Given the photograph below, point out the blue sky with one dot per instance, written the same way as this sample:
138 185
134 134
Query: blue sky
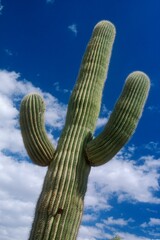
41 47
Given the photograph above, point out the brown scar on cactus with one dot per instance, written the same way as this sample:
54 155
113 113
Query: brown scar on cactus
69 165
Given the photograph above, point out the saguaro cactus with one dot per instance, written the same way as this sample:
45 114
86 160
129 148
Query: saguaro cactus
60 206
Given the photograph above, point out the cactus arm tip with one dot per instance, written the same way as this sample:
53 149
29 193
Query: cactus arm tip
105 24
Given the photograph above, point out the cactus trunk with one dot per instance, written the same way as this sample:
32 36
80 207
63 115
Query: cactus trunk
60 206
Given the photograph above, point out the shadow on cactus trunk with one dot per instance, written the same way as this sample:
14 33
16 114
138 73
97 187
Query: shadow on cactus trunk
60 205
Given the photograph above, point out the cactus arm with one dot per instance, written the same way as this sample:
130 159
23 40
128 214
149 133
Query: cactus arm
35 139
122 121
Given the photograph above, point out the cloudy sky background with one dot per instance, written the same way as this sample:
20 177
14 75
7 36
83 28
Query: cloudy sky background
41 48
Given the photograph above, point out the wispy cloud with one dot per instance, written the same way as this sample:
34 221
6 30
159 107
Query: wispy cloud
153 146
117 221
50 1
152 227
73 28
154 109
152 222
129 236
8 52
57 87
1 7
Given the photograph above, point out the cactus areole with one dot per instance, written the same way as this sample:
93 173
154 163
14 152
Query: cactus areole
60 205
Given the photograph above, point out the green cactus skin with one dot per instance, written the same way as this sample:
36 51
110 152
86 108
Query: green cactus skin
60 205
122 121
35 139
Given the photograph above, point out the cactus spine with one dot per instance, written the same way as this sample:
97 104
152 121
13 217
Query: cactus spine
60 205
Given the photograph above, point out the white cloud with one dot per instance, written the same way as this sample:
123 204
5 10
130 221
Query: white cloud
73 28
101 122
20 181
151 163
20 184
124 178
89 218
92 233
11 92
117 221
153 222
128 236
55 112
100 232
12 86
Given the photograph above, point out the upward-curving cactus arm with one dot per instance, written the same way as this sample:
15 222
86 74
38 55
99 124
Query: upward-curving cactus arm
35 139
122 122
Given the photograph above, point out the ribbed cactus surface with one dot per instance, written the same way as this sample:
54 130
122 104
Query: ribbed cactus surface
60 205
